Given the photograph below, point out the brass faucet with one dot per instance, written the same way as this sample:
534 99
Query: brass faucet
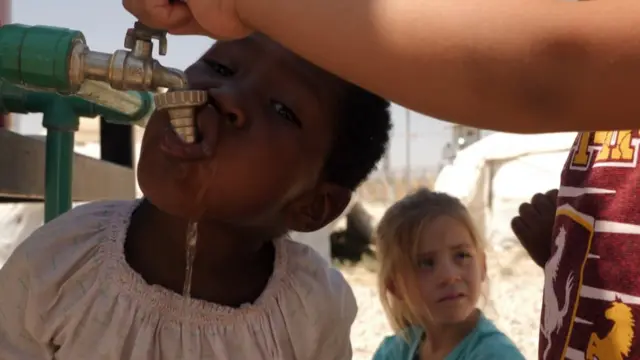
136 69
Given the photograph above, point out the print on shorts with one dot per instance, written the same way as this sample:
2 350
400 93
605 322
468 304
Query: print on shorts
562 284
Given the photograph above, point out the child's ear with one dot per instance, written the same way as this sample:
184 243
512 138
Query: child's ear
316 208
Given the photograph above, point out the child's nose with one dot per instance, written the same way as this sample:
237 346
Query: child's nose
231 105
448 273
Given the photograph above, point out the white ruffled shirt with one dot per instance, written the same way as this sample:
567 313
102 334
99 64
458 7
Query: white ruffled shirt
67 293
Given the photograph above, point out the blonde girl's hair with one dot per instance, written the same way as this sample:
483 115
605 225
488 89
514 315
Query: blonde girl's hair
397 239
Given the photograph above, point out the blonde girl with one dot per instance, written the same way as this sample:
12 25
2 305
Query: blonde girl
432 268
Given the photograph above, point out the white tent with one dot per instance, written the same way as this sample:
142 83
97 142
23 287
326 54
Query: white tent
495 175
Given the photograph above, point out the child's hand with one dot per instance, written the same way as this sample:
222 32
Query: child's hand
534 225
215 18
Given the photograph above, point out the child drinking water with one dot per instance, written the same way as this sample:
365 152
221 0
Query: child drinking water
282 144
432 267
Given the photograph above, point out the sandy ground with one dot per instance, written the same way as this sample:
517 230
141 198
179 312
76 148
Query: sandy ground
514 302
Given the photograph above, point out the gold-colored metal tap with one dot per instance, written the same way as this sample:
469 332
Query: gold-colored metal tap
136 69
130 69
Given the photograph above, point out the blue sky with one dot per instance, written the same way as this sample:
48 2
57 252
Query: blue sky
104 23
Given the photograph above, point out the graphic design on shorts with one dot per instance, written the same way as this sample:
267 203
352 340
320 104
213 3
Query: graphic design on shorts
617 343
554 313
562 285
589 312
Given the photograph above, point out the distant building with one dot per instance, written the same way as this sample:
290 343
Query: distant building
464 136
448 154
461 137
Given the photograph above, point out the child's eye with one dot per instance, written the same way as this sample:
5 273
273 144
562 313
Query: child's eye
425 263
220 69
462 255
286 113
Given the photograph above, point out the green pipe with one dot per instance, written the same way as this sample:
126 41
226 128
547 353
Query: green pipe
61 121
58 169
38 56
61 118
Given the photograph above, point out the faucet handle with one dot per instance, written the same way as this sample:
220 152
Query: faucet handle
142 32
129 40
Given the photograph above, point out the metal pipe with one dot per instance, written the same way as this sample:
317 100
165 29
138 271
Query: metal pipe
127 103
102 94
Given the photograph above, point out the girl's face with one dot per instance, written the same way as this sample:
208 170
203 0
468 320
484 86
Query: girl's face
268 125
450 271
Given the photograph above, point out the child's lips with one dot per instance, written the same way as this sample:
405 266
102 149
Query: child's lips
450 297
207 131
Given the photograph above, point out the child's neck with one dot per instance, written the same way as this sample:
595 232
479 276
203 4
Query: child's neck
232 265
440 340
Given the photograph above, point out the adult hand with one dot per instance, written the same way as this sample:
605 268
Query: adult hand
215 18
534 225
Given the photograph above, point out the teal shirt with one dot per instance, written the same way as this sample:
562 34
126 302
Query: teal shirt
485 342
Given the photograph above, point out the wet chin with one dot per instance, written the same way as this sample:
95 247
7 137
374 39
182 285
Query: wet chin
173 208
185 202
170 199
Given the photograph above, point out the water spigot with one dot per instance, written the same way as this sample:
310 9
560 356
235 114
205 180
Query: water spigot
131 69
137 70
59 60
180 102
56 59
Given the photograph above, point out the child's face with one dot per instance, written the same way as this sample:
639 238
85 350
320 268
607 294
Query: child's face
268 124
451 271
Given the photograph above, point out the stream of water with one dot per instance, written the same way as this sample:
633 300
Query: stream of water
191 243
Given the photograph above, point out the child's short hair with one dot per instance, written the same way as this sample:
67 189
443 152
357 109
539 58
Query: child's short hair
397 239
361 137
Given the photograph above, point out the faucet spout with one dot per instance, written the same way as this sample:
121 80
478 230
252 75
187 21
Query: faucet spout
167 77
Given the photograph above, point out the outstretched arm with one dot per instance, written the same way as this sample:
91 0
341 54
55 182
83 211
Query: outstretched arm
536 66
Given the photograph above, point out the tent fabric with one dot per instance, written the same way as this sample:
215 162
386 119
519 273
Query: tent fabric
493 176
